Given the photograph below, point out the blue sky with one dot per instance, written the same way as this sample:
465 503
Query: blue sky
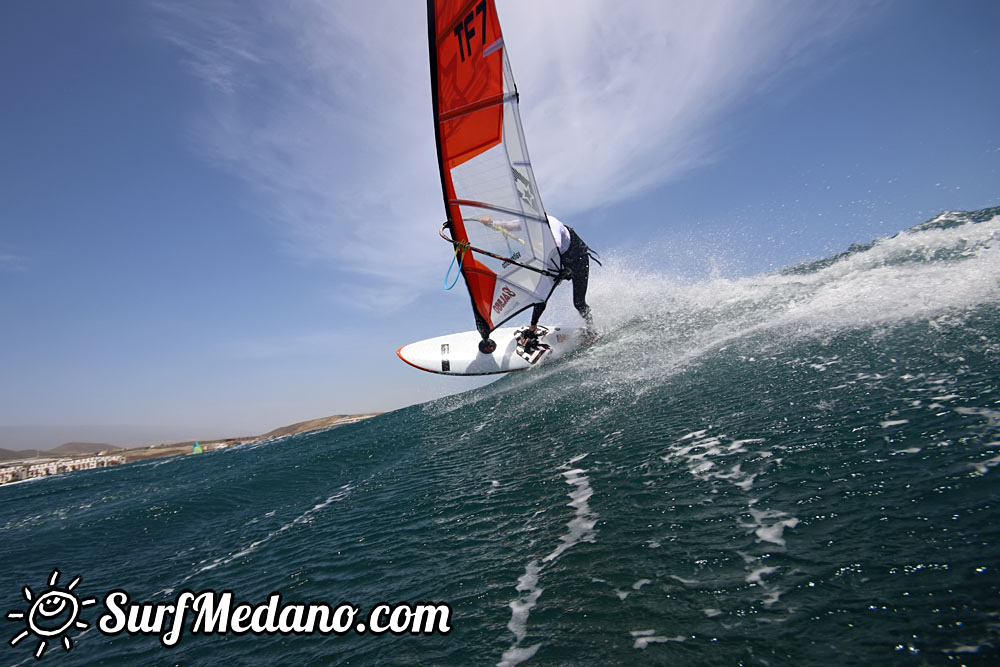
219 218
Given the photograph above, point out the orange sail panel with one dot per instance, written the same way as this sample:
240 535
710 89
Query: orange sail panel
489 187
470 86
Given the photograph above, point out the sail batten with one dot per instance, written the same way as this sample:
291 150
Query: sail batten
492 201
496 100
497 209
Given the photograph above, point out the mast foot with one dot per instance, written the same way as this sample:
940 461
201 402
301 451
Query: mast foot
487 346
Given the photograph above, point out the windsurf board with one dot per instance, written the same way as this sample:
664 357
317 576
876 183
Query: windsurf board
458 353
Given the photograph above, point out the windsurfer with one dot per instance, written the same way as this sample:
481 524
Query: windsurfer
575 256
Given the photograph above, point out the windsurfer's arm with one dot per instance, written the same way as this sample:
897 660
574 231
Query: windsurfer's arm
505 225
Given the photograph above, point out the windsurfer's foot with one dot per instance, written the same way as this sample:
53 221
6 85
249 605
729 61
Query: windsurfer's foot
528 340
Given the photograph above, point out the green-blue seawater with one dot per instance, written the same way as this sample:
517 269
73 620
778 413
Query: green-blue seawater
794 469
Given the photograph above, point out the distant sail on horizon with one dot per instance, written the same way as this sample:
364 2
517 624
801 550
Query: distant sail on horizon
506 251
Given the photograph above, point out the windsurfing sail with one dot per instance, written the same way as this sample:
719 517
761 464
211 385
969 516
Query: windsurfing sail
196 448
496 221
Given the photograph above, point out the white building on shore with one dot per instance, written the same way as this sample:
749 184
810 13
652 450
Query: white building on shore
15 471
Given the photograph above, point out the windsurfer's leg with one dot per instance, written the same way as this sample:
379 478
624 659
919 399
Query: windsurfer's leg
578 262
536 314
529 338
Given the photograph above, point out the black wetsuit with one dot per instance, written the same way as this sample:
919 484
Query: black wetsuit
577 260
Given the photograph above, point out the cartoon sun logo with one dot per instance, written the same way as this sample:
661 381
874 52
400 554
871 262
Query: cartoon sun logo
51 614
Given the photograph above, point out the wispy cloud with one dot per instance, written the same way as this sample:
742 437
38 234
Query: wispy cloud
323 108
621 97
10 261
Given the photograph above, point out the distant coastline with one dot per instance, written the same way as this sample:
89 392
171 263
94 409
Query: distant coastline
72 457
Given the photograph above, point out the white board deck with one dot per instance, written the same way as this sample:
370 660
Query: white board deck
458 353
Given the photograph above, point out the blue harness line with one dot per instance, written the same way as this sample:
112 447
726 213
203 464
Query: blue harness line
459 258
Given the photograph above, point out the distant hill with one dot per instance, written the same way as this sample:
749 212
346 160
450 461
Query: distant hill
81 448
11 454
68 449
315 424
157 451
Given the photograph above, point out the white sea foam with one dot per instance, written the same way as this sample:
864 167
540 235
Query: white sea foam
581 526
579 529
992 416
703 456
756 573
755 576
772 597
305 517
771 531
644 638
527 585
769 527
983 467
968 648
515 655
699 448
